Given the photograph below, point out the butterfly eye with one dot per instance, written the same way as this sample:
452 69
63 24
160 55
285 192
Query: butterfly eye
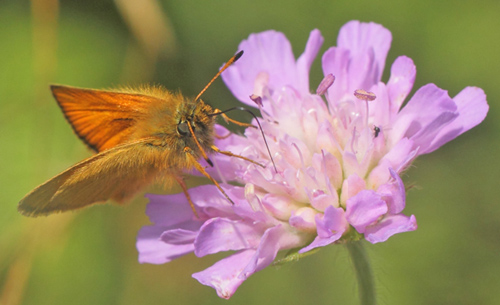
183 129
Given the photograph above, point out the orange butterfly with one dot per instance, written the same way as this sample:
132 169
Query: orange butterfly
140 136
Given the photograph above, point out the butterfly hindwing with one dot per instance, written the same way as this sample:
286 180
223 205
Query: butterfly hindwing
117 173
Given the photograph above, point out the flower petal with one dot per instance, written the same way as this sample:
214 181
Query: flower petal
398 158
153 250
178 236
168 210
268 62
428 111
352 186
330 166
335 61
364 209
365 40
228 274
389 226
322 201
403 72
271 242
472 109
223 276
281 207
330 228
226 167
393 193
303 219
305 60
221 234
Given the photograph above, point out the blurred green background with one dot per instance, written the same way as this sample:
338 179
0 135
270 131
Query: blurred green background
89 257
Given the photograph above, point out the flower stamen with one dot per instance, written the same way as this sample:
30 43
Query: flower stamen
257 100
353 138
366 97
300 155
325 84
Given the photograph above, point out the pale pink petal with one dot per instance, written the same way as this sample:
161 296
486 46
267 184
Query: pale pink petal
323 201
330 166
228 166
325 139
303 219
472 109
305 60
330 228
351 164
271 242
321 242
403 72
153 250
228 274
428 111
364 209
389 226
397 157
220 234
281 207
251 206
179 236
332 222
168 210
393 193
380 106
268 58
211 202
223 276
351 186
368 44
335 61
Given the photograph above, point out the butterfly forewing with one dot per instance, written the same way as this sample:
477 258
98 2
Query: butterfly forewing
102 119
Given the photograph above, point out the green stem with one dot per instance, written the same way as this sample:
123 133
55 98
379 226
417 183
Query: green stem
363 272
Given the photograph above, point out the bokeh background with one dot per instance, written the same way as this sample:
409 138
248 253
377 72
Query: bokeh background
89 257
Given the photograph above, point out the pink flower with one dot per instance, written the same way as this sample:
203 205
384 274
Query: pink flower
338 162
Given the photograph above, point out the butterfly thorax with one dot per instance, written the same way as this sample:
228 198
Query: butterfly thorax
167 122
195 118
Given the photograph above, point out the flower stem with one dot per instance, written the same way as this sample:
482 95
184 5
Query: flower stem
363 272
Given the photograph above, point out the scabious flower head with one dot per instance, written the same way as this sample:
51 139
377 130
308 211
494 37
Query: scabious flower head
339 154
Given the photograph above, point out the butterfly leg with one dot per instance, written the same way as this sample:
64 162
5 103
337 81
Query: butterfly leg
181 182
202 170
223 137
228 153
228 119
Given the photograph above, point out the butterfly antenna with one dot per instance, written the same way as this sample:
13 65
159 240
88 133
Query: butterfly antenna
231 61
